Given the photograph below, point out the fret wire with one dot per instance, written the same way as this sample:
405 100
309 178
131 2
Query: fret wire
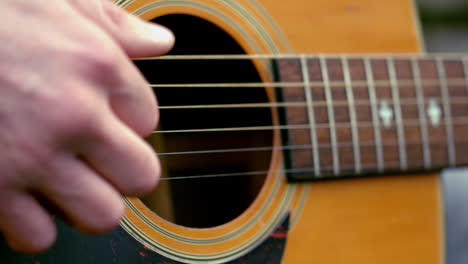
453 100
310 110
447 112
352 115
398 115
409 122
465 72
422 114
375 118
331 115
314 84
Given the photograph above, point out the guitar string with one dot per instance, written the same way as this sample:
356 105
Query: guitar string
453 99
314 84
391 165
301 147
409 122
451 81
295 85
377 56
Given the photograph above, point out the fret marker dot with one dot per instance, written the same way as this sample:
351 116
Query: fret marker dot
386 114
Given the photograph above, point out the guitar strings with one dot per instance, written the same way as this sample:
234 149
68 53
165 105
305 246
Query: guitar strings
370 124
395 56
304 147
371 167
453 100
316 84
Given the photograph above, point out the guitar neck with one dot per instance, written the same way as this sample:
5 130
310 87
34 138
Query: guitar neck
373 115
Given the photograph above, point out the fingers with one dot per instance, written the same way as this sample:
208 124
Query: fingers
134 102
124 159
86 194
85 199
125 35
114 160
93 58
130 95
137 37
26 225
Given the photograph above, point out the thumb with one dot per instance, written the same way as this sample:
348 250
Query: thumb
138 38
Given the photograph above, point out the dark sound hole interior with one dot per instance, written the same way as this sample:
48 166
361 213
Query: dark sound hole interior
211 201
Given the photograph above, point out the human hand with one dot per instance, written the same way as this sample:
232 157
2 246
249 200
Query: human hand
73 111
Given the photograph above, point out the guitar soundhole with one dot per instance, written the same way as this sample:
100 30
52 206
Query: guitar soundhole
193 192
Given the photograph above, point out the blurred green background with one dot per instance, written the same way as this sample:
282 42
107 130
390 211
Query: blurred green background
445 25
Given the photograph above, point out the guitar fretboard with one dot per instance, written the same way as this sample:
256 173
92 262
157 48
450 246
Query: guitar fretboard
373 115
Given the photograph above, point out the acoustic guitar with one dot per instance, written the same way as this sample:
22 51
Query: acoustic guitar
301 131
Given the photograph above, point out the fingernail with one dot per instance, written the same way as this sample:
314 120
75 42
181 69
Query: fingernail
161 34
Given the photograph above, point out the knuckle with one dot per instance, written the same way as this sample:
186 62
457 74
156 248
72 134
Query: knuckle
137 109
74 118
117 16
33 165
100 60
25 165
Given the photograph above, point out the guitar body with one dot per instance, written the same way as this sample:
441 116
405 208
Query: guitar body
389 219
